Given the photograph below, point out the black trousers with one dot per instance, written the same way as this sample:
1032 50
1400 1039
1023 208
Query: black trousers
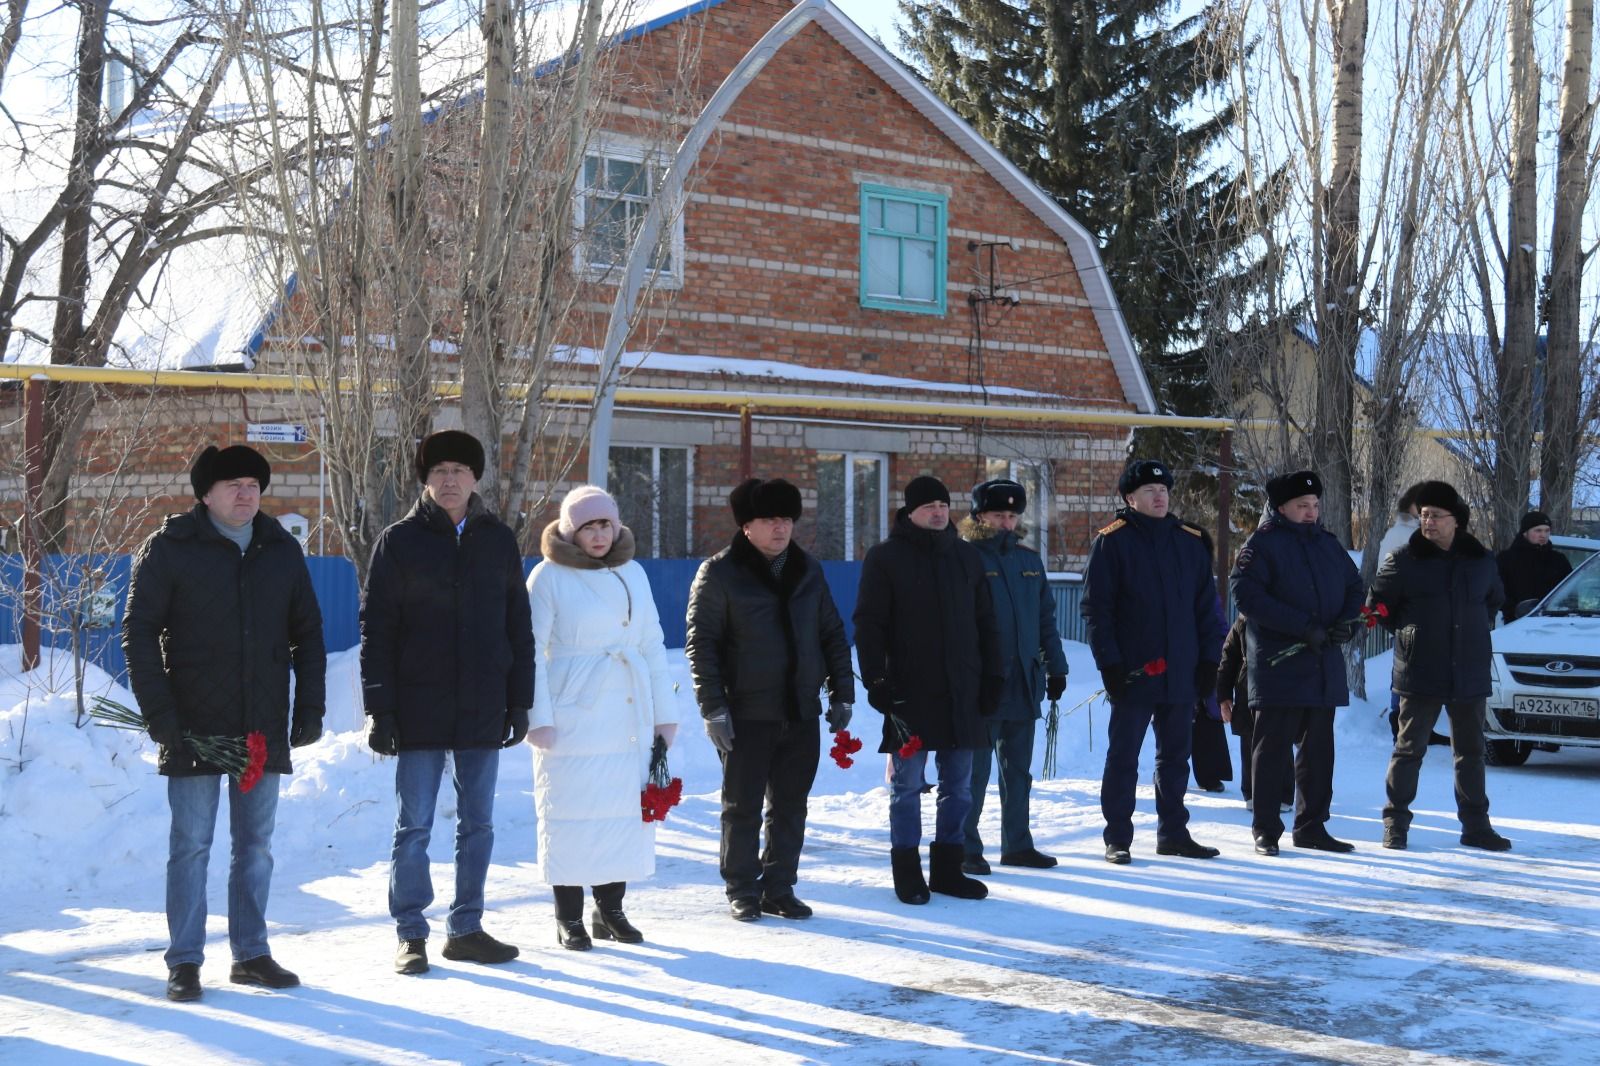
569 898
766 779
1278 730
1174 728
1417 717
1209 750
1245 722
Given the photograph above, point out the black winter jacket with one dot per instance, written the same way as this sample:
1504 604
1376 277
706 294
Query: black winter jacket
1233 680
1289 576
446 629
211 635
761 647
1441 608
1148 593
925 625
1529 572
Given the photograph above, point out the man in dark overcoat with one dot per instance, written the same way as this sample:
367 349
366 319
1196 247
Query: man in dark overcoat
1441 592
447 669
220 611
1301 595
1036 667
1150 602
1532 566
929 652
763 638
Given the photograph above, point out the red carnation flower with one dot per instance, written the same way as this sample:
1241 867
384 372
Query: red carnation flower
844 746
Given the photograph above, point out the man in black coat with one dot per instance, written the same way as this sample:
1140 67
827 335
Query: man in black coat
1036 667
447 668
220 610
763 638
1301 594
1150 601
1441 592
1532 566
929 653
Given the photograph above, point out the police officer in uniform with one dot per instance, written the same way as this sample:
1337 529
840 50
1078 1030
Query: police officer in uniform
1150 601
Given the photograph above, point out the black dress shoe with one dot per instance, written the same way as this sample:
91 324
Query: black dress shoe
975 864
1487 839
183 982
1187 848
1117 855
745 909
572 936
478 947
412 957
785 906
1266 847
1031 858
1323 842
261 970
612 924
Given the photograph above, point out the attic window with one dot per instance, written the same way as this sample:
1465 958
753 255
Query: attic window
618 184
903 250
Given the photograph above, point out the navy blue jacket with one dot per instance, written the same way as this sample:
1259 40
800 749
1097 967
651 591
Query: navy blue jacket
1289 577
1148 593
1024 616
447 629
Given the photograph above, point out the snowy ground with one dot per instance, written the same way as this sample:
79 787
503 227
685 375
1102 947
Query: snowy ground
1436 955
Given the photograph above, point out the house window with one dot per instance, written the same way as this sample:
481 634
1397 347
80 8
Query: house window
1033 479
903 250
618 184
851 516
652 486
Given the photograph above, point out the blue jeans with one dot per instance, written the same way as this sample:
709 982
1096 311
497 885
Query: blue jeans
905 798
416 787
251 818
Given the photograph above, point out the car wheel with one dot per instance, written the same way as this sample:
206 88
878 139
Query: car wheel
1507 752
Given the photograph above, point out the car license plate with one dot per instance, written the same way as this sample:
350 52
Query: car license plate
1556 705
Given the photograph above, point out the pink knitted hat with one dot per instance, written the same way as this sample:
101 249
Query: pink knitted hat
583 505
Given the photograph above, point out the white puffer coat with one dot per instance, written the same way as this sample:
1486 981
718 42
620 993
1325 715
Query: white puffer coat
602 682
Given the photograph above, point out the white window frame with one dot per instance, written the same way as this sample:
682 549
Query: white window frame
849 459
627 151
655 498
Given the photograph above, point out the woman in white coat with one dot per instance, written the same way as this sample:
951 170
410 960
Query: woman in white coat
601 696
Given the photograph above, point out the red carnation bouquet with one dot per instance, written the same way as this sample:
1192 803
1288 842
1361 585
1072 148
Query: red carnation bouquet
844 746
244 759
662 792
909 742
1378 612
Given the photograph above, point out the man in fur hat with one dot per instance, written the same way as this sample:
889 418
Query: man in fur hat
218 595
1441 592
447 668
763 638
1036 668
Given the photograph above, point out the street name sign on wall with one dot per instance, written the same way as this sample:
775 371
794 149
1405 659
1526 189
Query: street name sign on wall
275 433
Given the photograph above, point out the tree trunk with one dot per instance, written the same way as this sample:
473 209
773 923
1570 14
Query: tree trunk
1562 447
413 331
1339 302
1513 444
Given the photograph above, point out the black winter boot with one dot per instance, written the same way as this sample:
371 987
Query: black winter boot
908 883
945 876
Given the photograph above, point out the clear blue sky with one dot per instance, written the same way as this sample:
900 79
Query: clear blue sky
877 17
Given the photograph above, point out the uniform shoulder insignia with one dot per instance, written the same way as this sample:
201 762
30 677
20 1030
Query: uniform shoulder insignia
1112 528
1187 528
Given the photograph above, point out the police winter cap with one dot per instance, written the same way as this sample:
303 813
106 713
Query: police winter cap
1144 472
1534 519
1286 487
923 490
755 498
224 464
1001 494
1442 496
449 446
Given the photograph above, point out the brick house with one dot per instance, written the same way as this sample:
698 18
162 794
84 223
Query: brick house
834 233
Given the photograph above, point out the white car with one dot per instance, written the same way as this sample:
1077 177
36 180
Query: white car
1547 673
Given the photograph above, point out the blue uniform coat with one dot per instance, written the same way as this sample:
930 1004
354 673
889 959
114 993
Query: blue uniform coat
1024 617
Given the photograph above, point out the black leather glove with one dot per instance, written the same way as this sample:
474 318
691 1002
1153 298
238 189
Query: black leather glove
1205 680
1315 637
307 730
719 727
1114 679
1054 686
991 690
883 696
516 727
383 734
1343 632
839 715
166 732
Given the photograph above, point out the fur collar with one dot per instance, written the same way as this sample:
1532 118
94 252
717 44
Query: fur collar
794 565
565 553
1465 545
973 530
